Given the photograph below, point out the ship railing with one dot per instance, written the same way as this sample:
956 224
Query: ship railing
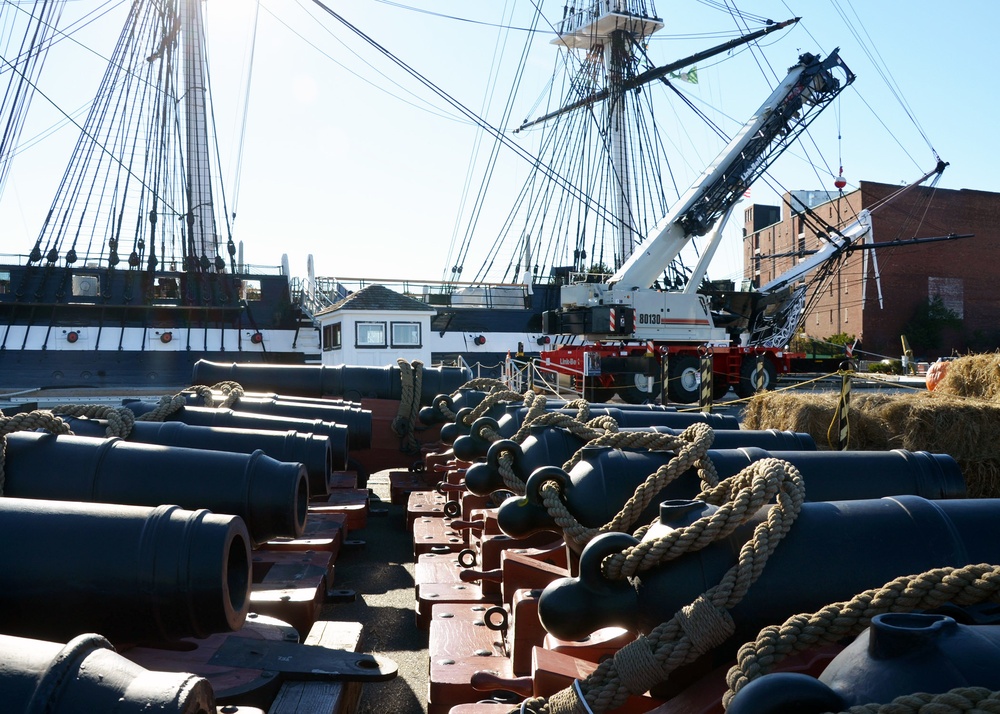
494 296
522 375
313 296
583 14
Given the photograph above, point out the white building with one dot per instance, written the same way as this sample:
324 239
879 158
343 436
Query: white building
375 326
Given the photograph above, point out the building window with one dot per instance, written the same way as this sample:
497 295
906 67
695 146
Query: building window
370 334
406 334
331 337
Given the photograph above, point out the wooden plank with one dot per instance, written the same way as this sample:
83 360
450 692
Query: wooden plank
323 697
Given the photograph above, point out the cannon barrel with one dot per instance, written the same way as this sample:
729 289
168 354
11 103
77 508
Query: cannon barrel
320 454
601 483
348 381
473 446
471 398
271 496
901 653
86 675
358 421
203 416
549 445
833 551
132 573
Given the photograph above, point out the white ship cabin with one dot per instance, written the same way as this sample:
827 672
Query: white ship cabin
375 326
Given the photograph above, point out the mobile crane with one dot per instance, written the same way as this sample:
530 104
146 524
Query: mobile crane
632 325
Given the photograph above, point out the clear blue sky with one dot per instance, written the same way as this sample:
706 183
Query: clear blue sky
348 159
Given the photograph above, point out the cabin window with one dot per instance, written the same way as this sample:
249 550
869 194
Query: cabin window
370 334
406 334
167 288
250 290
86 286
331 337
4 282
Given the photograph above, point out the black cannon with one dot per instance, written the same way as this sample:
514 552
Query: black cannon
132 573
86 675
321 454
833 551
357 420
599 485
548 445
204 416
348 381
272 497
900 654
474 445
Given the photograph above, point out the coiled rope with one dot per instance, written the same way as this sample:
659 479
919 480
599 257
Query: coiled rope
121 419
28 421
705 623
537 415
404 425
967 585
484 384
691 450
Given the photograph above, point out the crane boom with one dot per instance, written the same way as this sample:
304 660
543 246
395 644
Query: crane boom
809 87
626 306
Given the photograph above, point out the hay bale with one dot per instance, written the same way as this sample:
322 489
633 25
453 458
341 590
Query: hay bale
966 429
815 413
975 376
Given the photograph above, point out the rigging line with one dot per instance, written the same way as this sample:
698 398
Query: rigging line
886 74
494 153
17 97
73 121
218 156
724 7
467 20
733 13
246 111
427 106
521 152
76 26
70 186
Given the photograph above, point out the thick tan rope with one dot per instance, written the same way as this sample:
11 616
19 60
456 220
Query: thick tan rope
596 427
442 406
691 450
405 424
233 390
964 586
167 406
705 623
120 419
28 421
497 396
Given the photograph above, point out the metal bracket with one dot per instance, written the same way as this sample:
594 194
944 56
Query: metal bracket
303 662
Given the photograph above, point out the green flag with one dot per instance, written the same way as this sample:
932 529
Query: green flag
690 76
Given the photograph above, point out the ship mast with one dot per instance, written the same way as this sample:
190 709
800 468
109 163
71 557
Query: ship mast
610 29
200 217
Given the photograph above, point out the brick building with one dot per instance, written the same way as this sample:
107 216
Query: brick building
963 274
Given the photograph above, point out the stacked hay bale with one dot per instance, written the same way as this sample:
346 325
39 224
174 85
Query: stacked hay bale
960 418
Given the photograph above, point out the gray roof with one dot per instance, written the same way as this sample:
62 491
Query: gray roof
379 297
